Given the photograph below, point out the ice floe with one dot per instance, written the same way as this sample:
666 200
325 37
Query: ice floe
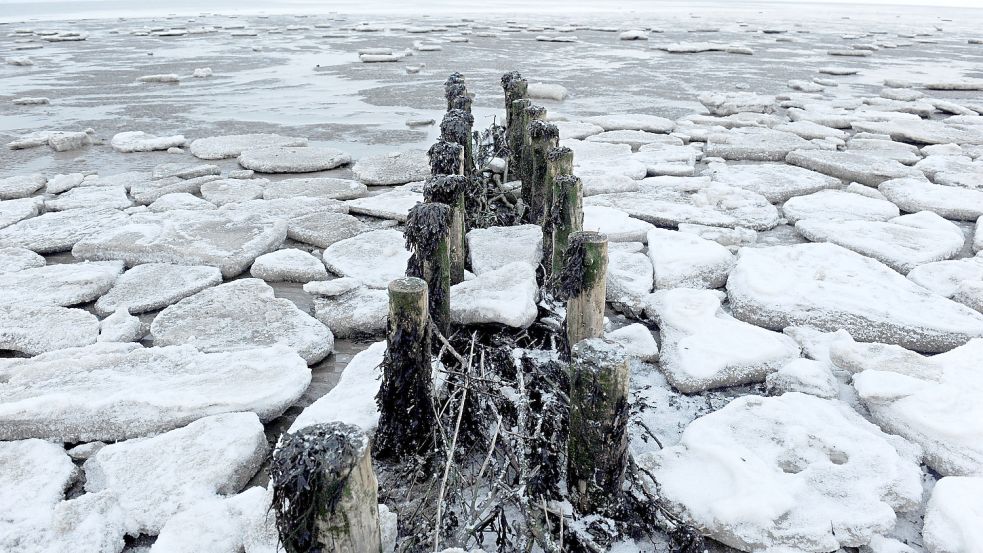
495 247
241 314
222 239
152 286
829 287
289 159
506 295
374 257
113 392
753 481
156 478
703 347
683 260
288 265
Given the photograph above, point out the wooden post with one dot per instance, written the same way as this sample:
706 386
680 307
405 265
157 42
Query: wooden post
325 493
529 114
598 443
515 88
446 158
462 103
583 284
454 86
427 234
456 127
451 190
543 137
559 162
567 217
405 399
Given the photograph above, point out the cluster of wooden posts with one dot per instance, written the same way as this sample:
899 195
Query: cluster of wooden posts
420 303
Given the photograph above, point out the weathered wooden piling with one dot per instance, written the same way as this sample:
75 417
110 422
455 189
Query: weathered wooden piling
543 137
598 442
567 217
462 103
451 190
519 157
515 88
405 399
559 162
456 127
325 494
427 232
446 158
583 284
454 87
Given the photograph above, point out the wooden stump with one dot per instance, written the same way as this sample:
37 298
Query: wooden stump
406 418
451 190
515 89
543 137
427 232
567 217
325 493
598 443
559 163
583 284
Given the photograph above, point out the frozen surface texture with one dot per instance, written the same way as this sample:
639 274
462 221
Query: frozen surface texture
119 391
224 239
829 287
242 314
704 348
754 479
156 478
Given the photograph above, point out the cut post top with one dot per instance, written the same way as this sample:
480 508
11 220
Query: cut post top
407 285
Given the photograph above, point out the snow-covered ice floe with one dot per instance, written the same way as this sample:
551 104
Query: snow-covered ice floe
752 479
118 391
936 402
241 314
223 239
829 287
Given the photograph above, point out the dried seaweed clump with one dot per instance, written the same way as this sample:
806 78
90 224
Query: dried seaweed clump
454 78
509 79
535 113
558 153
456 126
309 470
445 189
454 90
543 130
426 225
577 274
445 157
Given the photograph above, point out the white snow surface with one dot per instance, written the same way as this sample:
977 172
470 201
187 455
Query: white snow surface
495 247
224 238
936 402
352 400
901 243
112 391
683 260
506 295
241 314
374 257
794 472
829 287
703 347
953 515
156 478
